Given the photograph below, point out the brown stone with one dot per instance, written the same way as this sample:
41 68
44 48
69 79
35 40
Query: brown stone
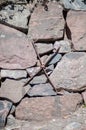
76 22
47 25
47 108
16 51
37 109
13 90
70 72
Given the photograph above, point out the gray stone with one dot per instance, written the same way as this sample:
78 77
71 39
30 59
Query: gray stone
10 120
16 51
42 90
70 72
13 1
73 126
15 15
39 79
14 74
43 48
12 109
5 108
13 90
74 4
50 68
43 60
47 25
32 71
65 46
56 59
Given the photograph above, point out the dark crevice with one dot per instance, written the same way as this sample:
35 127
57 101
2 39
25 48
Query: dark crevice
17 28
68 33
50 40
65 14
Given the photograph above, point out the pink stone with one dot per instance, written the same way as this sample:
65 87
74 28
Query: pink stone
16 51
47 25
76 21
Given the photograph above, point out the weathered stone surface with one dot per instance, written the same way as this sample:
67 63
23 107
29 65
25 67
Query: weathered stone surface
47 25
16 51
73 126
14 74
44 47
84 96
45 108
43 60
13 90
5 107
74 4
10 120
55 59
41 90
15 16
70 72
37 109
39 79
76 22
65 46
78 117
14 1
69 103
32 70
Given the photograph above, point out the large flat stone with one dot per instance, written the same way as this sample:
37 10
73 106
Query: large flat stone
47 25
14 74
42 90
76 22
13 90
39 79
16 51
37 109
70 72
47 108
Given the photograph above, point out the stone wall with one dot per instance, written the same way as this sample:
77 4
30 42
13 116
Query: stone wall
43 65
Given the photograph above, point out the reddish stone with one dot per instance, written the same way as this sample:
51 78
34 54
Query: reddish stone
16 51
47 108
47 25
84 128
69 103
76 22
37 109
